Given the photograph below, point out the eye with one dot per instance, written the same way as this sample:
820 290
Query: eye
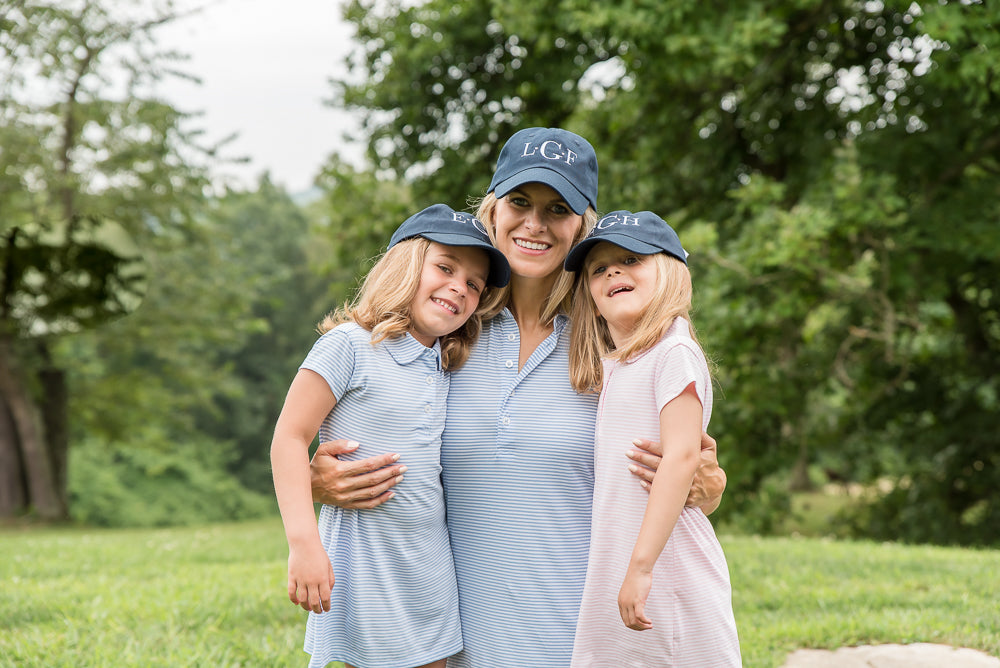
632 259
560 209
445 268
598 269
474 286
517 200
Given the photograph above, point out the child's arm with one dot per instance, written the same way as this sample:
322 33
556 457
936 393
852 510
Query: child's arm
680 435
709 481
310 575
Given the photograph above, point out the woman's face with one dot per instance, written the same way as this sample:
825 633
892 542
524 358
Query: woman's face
535 229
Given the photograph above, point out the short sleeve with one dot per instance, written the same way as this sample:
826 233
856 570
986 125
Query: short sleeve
333 358
679 366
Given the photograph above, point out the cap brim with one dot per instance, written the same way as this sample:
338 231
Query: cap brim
499 274
576 200
577 256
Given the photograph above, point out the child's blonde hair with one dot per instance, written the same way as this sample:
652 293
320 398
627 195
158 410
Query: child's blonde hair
558 300
382 305
590 339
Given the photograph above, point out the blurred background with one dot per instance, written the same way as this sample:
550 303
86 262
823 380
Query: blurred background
186 189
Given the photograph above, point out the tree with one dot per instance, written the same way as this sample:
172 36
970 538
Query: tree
269 246
91 167
833 166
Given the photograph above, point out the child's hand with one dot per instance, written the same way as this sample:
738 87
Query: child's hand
310 578
632 600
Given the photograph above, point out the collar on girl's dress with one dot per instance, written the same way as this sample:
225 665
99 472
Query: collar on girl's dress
406 349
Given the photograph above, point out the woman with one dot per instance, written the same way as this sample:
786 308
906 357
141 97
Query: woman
517 451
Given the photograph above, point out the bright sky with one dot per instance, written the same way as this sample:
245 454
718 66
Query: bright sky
264 67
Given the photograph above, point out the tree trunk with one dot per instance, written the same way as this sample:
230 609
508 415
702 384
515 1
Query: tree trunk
799 480
54 414
28 440
13 492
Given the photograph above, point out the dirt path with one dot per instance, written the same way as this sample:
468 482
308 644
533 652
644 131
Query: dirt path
919 655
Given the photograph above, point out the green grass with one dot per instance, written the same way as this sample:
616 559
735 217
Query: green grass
214 596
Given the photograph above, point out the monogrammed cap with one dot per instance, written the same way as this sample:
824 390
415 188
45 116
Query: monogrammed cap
564 161
644 233
441 223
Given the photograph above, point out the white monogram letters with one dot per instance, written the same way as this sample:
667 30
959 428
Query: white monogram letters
550 150
466 219
616 219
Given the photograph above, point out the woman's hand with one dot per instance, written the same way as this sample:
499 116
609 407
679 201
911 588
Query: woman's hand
709 480
364 483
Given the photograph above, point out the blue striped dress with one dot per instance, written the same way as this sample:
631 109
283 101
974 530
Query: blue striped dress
395 601
518 460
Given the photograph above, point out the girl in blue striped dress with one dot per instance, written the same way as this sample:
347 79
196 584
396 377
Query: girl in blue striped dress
380 584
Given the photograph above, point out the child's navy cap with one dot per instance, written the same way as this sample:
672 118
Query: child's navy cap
441 223
644 233
564 161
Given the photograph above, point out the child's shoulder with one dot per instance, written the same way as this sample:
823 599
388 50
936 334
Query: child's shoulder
678 334
678 337
350 330
346 335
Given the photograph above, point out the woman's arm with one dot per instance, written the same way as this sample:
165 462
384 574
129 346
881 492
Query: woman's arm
363 483
680 429
709 481
310 575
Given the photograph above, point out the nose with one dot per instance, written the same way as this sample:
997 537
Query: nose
534 221
613 269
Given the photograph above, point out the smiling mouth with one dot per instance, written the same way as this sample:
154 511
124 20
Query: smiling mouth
619 289
532 245
447 305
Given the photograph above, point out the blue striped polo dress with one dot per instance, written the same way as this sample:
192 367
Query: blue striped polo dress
395 602
518 460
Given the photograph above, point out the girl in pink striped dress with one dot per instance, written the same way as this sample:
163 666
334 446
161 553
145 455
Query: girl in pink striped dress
657 591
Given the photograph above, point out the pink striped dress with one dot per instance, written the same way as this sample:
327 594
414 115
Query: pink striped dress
690 603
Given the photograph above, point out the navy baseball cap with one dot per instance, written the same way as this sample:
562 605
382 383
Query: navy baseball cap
643 232
564 161
441 223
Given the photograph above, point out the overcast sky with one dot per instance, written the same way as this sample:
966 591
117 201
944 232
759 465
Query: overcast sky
264 66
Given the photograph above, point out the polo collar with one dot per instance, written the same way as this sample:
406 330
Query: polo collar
405 349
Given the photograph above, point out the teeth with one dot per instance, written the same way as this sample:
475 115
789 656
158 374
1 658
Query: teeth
445 304
621 289
531 245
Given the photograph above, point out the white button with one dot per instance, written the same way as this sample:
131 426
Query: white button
506 420
510 364
511 336
430 380
427 408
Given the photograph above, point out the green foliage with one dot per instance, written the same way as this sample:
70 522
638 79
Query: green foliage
454 82
90 170
144 483
267 243
833 168
215 595
356 217
208 356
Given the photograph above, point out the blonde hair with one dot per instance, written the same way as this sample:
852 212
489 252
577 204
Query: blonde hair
590 339
382 305
559 298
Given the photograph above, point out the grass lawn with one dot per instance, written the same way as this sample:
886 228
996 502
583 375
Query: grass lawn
215 596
